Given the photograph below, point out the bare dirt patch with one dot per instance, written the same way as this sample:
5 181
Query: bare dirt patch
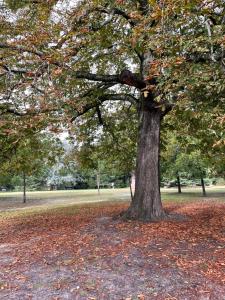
90 255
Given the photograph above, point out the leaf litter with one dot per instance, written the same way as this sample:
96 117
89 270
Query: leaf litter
90 254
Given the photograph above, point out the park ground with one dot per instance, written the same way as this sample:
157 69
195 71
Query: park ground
72 245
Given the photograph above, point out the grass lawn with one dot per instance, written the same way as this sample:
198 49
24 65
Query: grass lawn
70 245
106 195
194 194
42 200
12 201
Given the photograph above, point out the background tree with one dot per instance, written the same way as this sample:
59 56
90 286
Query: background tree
110 145
206 144
31 156
93 55
169 155
6 182
194 166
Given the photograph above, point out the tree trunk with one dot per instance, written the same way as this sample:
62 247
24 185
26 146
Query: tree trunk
178 184
98 182
24 188
146 204
130 185
203 187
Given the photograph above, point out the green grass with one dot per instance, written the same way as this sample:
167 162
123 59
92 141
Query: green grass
38 202
54 210
72 201
60 193
193 194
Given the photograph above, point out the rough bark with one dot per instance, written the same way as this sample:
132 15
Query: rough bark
203 187
130 186
178 184
146 204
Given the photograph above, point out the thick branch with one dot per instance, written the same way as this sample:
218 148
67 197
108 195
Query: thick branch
21 49
122 13
103 98
5 109
99 87
117 97
19 71
119 12
125 77
96 77
8 110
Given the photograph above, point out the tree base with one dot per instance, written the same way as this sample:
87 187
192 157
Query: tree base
129 215
132 214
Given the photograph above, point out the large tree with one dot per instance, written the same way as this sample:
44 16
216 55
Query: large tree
65 60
